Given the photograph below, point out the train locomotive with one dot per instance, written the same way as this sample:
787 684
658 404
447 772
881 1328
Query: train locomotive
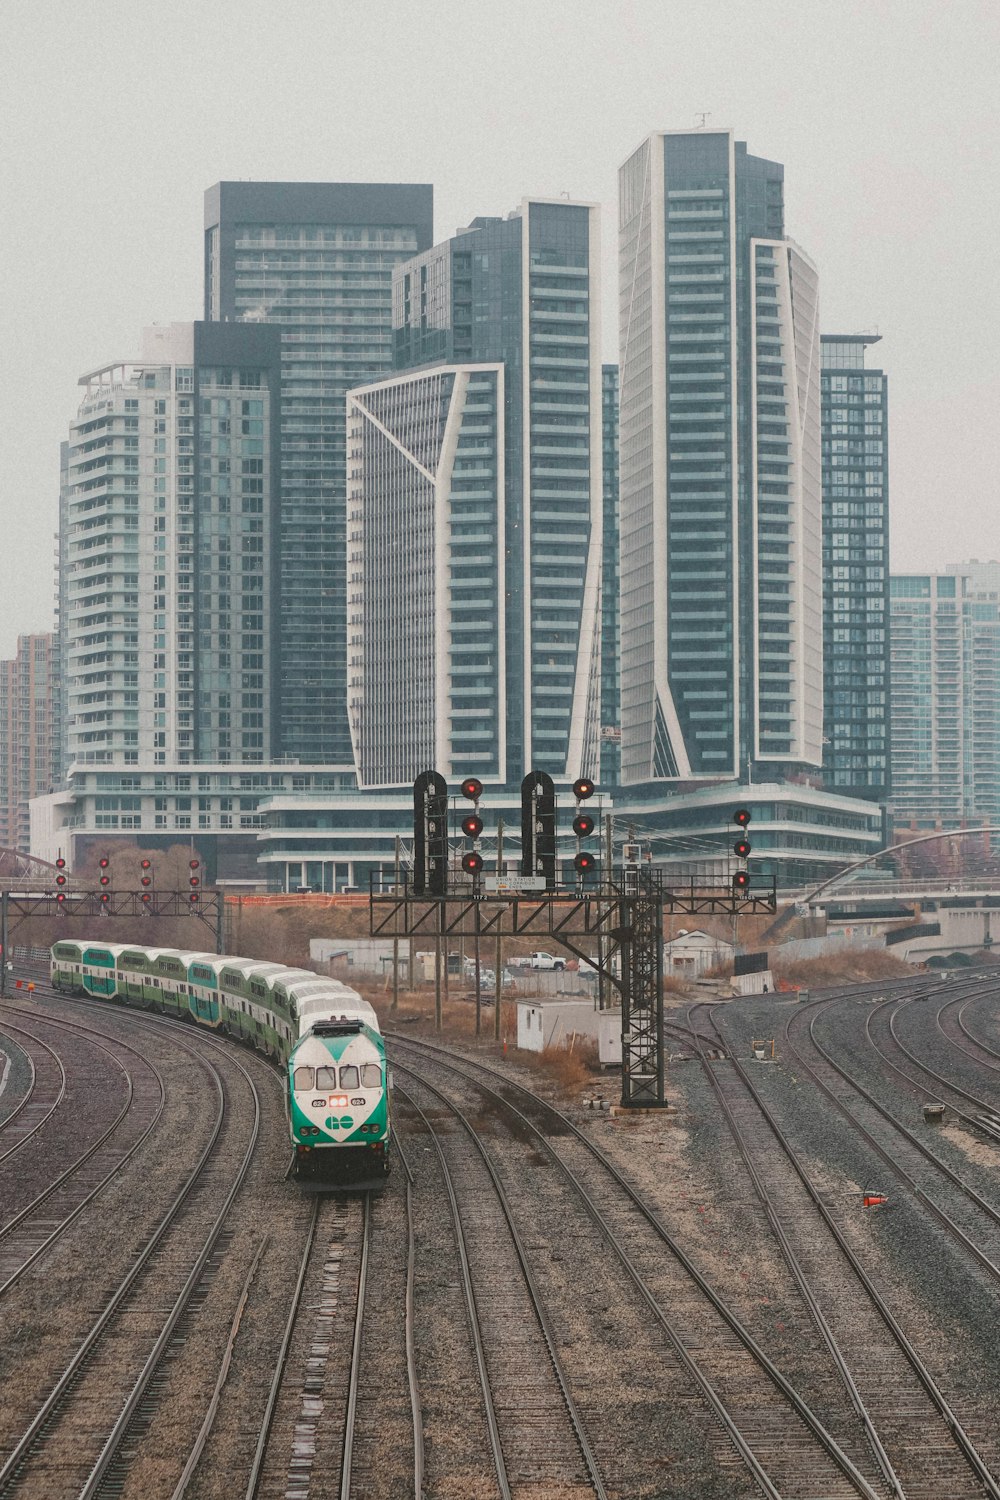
325 1036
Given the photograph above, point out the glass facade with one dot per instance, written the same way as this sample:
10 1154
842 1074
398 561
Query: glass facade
721 665
316 259
524 292
610 672
945 701
29 742
855 568
425 521
166 545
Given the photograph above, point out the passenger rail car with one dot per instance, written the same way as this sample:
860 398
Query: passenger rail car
325 1036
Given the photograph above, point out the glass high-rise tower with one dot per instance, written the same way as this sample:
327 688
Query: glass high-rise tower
166 577
720 491
610 676
316 259
855 569
476 505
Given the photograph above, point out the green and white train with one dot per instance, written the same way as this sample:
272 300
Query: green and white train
324 1034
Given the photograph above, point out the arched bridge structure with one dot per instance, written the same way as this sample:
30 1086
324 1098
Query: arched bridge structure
956 862
20 872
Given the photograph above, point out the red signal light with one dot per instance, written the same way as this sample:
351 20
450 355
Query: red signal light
145 864
741 881
472 788
146 880
104 861
741 848
60 880
472 826
583 788
583 825
194 880
741 816
105 879
105 897
472 862
193 896
584 861
146 896
60 895
60 863
194 864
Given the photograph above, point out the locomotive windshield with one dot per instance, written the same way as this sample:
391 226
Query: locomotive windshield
349 1078
371 1076
304 1080
326 1078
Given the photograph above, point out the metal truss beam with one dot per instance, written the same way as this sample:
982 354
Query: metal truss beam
90 906
629 953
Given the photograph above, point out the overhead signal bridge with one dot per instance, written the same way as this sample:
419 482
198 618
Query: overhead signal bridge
617 912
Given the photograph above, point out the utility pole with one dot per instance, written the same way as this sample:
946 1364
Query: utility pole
498 957
3 944
609 855
395 948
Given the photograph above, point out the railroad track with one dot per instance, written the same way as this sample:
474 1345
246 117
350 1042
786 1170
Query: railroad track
535 1429
84 1434
969 1219
343 1414
890 1387
43 1095
700 1352
35 1226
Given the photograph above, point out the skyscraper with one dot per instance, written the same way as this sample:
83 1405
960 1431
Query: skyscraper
166 615
721 600
317 259
610 646
945 705
476 509
855 568
29 749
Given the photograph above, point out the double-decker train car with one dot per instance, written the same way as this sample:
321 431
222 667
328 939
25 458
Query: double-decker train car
326 1037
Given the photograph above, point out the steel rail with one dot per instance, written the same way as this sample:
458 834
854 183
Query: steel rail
47 1192
576 1419
352 1385
958 1432
944 1219
121 1427
470 1302
20 1453
267 1419
28 1097
777 1228
198 1447
411 1351
779 1380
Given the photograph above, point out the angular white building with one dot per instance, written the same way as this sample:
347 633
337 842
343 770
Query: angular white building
720 482
475 510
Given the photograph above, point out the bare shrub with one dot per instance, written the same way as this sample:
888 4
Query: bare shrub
846 967
567 1067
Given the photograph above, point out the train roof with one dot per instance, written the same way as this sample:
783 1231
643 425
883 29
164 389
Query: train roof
329 1004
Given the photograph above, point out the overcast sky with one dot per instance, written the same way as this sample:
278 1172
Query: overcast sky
114 118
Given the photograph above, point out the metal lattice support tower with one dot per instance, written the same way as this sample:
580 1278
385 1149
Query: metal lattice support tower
643 1072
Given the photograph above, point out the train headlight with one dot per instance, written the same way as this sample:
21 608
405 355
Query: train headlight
303 1130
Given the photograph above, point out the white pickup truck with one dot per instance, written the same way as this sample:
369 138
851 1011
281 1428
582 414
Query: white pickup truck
544 961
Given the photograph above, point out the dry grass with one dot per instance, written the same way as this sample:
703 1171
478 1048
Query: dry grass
568 1067
851 966
673 986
